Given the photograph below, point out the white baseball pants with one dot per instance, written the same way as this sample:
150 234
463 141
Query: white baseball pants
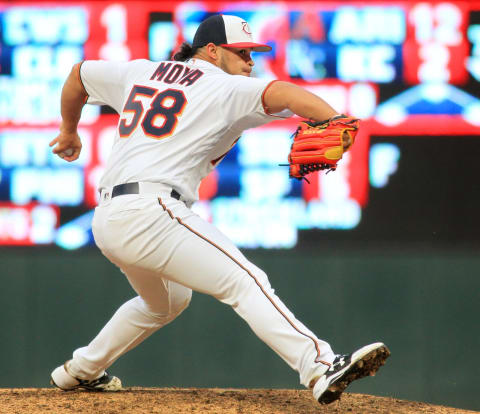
165 250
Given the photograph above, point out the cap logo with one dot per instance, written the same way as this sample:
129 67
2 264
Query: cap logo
245 28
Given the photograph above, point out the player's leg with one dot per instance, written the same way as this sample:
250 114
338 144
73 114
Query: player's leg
215 266
159 302
131 324
196 254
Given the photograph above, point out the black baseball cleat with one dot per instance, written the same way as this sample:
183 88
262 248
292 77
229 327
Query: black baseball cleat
347 368
62 379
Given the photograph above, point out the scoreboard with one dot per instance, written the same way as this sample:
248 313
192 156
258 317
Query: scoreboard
408 69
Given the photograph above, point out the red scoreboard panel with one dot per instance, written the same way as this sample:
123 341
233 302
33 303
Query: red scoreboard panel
404 68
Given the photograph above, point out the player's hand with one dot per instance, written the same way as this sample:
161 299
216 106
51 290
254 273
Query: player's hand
67 145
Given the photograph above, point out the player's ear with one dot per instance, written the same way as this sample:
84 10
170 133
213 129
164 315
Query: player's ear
212 51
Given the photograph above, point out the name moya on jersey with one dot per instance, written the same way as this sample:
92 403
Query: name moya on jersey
168 72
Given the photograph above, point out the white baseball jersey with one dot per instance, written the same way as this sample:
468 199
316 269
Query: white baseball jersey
177 119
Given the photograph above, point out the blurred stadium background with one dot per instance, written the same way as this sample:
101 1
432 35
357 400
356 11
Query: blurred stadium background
386 248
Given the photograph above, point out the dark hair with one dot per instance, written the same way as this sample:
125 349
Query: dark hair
186 52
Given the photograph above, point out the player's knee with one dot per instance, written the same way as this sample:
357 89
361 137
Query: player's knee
259 275
255 278
139 311
144 307
180 301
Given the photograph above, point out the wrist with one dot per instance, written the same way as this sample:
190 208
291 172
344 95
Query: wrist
68 127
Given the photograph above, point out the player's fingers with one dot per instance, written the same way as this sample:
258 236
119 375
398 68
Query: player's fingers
346 140
58 149
63 147
70 159
73 156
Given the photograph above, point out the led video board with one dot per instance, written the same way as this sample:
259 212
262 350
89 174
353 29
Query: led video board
407 69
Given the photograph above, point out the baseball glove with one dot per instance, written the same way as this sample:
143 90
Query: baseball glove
320 145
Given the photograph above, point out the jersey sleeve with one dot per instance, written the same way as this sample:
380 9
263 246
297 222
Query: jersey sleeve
105 81
244 108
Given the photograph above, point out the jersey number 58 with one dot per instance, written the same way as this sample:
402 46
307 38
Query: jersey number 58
161 118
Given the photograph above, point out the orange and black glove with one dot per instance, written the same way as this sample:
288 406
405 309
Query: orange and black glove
320 145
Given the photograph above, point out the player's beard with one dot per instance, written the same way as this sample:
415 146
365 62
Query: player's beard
223 64
228 65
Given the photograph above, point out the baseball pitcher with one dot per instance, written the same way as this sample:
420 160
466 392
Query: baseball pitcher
178 119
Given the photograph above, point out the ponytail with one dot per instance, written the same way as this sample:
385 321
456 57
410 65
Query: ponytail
186 52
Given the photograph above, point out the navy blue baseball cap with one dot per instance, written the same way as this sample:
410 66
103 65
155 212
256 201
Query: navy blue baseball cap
226 31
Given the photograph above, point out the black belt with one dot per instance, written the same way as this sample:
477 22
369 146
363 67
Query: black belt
134 188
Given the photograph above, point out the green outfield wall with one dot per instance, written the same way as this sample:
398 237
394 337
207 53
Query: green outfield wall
425 306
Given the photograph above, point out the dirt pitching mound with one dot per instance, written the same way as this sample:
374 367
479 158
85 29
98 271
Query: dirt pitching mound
196 400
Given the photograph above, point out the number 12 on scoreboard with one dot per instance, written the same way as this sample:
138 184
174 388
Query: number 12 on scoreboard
436 45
